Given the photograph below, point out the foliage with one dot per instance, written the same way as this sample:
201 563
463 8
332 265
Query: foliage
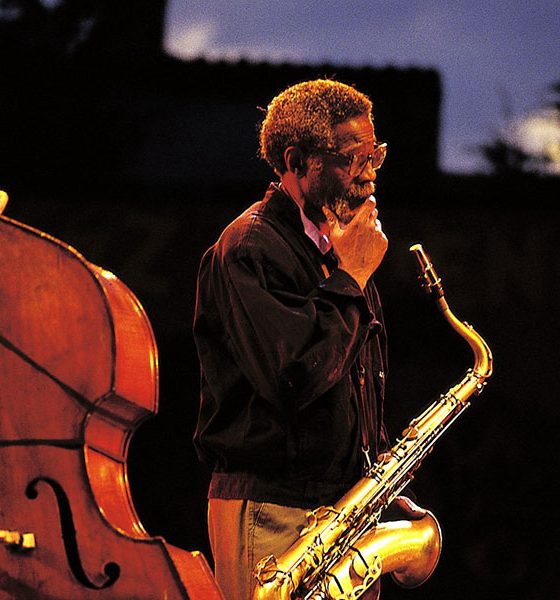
512 152
64 110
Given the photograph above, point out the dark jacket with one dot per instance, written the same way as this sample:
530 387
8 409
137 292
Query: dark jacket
292 363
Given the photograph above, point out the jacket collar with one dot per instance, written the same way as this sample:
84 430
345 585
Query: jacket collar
284 207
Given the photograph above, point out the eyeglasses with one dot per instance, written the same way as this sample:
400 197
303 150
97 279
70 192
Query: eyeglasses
356 163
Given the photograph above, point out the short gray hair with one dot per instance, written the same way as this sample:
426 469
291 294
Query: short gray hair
305 115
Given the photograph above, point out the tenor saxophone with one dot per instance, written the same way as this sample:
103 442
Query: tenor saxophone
345 548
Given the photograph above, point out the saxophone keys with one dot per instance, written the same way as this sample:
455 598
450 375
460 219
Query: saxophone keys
410 433
384 458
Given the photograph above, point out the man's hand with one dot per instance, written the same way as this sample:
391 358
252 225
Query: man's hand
403 507
361 245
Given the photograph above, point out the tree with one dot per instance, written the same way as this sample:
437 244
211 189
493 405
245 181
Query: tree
49 30
68 74
529 144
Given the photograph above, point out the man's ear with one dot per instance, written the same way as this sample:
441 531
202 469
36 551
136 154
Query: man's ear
294 160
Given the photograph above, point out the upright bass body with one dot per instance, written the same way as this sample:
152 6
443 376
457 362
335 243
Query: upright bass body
78 374
345 548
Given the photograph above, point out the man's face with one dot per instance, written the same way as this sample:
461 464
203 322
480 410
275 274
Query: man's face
329 180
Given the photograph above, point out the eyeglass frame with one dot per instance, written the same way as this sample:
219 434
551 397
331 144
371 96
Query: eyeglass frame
349 158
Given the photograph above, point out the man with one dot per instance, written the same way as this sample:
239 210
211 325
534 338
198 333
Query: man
289 331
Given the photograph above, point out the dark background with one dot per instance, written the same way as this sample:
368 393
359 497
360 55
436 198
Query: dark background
139 161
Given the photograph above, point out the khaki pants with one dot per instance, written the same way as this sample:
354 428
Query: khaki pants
242 532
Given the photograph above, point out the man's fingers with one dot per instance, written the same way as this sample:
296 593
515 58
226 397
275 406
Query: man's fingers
332 220
367 210
379 229
329 215
403 507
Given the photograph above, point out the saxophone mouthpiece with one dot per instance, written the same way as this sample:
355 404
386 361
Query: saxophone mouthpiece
428 276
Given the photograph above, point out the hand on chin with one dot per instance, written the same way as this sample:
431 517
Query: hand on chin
346 208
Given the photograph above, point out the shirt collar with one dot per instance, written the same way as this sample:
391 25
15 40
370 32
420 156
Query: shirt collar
311 230
314 234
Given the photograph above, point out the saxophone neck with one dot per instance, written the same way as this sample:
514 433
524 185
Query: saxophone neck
427 275
431 282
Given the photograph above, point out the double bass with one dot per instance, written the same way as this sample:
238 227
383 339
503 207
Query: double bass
78 375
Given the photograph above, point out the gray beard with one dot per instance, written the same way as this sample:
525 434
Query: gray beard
343 202
344 206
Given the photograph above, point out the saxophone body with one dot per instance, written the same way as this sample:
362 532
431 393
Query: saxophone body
345 548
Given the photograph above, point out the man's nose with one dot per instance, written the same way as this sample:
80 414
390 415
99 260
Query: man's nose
368 173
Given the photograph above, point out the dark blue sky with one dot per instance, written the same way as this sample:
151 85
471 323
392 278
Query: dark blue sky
495 57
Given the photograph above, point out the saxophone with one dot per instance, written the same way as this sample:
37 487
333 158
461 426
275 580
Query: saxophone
345 548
